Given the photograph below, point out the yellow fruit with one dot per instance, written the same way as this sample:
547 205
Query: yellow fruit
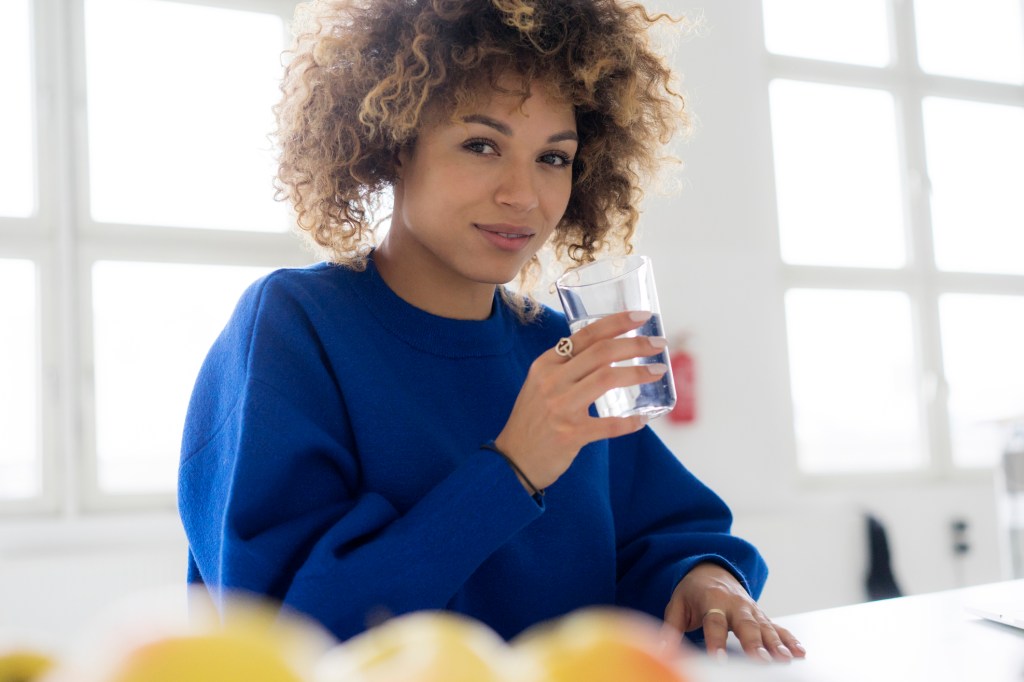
23 665
426 646
247 640
205 658
601 645
295 637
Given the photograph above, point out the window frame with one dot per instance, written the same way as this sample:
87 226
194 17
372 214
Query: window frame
919 278
63 240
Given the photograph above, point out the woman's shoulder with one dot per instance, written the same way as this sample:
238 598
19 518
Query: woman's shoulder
291 309
313 283
315 277
290 295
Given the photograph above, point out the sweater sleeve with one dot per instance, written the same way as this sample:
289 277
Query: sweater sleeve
269 488
666 522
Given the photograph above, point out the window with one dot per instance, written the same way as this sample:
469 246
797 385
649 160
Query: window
977 218
17 168
982 336
152 326
899 158
862 343
825 136
19 376
204 113
848 31
131 220
988 45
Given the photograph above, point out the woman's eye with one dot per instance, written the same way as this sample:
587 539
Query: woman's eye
556 159
480 147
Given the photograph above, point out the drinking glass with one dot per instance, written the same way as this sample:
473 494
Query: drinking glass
613 285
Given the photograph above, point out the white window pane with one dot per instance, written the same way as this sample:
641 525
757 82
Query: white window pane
837 175
17 133
851 31
976 167
853 380
178 130
153 325
19 381
982 344
982 39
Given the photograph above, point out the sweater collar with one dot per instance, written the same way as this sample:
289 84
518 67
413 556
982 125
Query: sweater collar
432 333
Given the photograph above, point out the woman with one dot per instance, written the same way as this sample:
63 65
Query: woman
393 429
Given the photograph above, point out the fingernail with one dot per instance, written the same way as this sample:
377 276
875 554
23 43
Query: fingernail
657 368
799 647
784 651
721 656
763 653
640 315
658 341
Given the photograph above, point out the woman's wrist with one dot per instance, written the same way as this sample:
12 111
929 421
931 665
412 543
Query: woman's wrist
534 491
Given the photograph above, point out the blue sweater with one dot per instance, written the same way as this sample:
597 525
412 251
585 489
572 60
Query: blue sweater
331 460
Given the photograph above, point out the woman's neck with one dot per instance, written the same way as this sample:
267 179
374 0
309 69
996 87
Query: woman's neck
415 279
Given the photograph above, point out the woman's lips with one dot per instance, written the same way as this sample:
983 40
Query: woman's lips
506 237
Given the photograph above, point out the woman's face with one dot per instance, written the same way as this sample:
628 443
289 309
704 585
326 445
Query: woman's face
477 197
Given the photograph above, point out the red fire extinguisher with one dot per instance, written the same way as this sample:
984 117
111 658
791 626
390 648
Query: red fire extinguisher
685 410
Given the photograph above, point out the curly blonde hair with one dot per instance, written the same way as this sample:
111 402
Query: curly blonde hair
362 73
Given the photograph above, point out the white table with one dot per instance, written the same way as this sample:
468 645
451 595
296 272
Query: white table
930 637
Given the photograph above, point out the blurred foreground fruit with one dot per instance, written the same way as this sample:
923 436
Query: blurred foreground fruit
602 645
426 646
253 640
247 640
205 658
23 665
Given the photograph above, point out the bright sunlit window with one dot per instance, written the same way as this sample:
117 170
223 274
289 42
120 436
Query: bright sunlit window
983 338
19 381
152 326
834 146
974 163
898 174
850 31
982 40
861 341
136 205
204 113
17 161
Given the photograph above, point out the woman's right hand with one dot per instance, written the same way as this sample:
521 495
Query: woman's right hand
550 421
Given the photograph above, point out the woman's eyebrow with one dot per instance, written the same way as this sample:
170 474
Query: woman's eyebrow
569 135
505 130
489 122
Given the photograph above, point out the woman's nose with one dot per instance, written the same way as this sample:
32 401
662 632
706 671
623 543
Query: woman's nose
517 188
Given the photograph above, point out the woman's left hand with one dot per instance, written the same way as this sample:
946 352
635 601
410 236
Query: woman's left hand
711 597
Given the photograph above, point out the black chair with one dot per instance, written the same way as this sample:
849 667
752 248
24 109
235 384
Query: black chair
880 582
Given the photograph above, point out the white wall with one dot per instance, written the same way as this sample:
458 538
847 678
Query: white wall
59 577
714 245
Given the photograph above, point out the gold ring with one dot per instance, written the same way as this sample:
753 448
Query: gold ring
718 611
564 347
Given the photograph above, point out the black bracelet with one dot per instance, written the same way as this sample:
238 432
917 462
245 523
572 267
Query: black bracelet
489 445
